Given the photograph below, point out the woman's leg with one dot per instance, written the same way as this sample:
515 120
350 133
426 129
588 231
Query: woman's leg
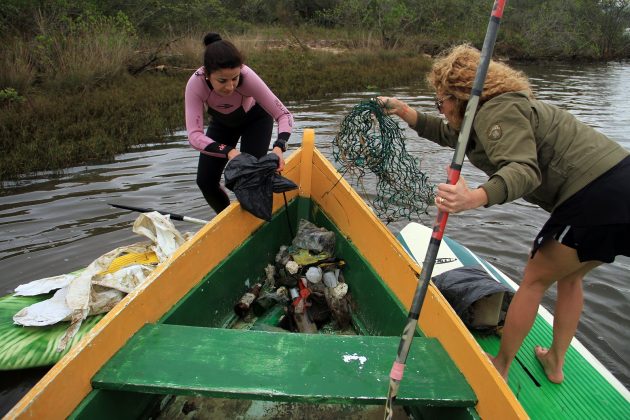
209 172
566 317
210 168
552 261
256 132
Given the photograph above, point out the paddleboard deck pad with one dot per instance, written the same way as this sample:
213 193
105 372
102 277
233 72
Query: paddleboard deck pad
29 347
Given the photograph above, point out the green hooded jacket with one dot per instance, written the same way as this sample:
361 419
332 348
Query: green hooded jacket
529 149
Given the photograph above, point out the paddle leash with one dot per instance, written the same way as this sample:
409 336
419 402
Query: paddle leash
439 225
173 216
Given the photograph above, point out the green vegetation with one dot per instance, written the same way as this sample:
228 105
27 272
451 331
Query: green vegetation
83 80
52 131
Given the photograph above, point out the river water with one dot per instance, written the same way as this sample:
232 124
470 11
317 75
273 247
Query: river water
55 224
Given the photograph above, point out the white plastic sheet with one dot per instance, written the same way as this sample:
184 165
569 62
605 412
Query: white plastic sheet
96 289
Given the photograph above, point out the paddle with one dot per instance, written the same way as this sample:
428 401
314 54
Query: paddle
439 225
173 216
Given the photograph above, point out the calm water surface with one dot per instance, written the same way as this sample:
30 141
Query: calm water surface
56 224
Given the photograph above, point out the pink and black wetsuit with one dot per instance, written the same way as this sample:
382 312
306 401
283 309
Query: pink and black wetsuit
248 113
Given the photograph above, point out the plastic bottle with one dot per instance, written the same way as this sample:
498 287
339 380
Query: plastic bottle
242 306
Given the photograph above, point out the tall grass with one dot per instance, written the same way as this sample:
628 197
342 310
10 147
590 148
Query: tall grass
68 55
80 60
16 66
82 104
295 74
50 132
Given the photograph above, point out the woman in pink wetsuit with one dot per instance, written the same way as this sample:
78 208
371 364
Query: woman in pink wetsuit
240 105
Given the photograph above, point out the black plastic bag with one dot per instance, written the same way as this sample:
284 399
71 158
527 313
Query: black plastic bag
479 300
254 181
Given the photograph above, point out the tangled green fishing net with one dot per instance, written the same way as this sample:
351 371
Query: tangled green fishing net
370 140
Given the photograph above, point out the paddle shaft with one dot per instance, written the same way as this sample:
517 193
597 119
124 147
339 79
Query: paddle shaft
440 222
173 216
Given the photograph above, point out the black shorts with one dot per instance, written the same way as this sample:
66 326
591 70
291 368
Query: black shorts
595 221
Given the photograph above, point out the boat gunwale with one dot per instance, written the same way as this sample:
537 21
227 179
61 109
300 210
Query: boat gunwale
51 396
147 303
437 318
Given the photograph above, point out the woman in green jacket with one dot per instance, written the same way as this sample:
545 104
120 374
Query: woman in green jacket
538 152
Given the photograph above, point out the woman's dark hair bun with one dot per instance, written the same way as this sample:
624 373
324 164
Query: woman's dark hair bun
210 38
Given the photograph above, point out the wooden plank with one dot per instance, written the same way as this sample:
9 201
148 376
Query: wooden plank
317 368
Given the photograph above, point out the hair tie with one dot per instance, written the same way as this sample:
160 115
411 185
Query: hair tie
210 38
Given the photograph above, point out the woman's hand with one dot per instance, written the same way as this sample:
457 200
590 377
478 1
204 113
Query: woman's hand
458 197
391 105
394 106
233 153
278 152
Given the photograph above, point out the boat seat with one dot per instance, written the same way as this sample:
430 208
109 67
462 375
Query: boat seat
276 366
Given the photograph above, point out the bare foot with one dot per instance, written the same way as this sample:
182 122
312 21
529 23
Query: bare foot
552 370
494 363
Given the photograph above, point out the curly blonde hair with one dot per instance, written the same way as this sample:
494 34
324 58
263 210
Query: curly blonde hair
453 73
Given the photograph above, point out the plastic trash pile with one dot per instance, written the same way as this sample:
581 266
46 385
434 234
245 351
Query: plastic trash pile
303 290
103 283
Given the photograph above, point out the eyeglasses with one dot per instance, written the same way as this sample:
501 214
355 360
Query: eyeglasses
440 101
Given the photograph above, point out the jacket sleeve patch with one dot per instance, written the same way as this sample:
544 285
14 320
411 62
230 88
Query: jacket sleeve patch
495 132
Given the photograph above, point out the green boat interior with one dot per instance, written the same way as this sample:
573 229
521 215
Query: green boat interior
193 351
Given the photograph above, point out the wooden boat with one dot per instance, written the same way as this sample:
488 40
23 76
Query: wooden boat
589 389
169 337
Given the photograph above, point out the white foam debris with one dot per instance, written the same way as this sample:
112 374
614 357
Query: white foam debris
350 357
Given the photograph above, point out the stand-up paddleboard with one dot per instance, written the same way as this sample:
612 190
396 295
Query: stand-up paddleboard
416 237
589 389
29 347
